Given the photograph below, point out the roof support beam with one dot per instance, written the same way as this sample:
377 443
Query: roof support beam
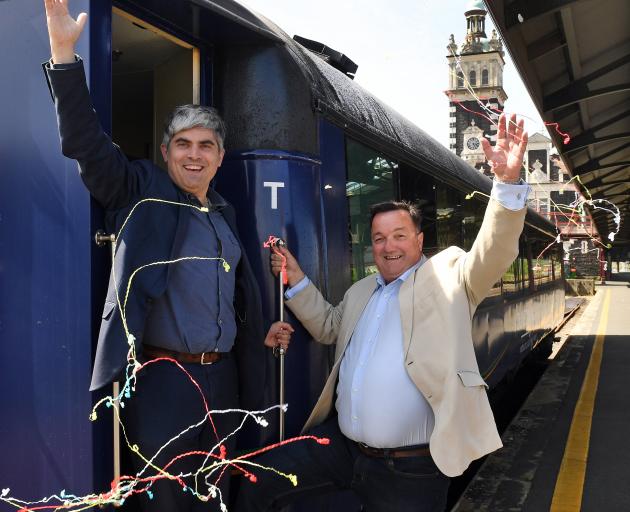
545 45
580 90
617 200
563 113
521 11
588 138
577 92
608 186
601 180
597 163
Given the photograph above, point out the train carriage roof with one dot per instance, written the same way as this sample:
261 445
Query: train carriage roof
364 117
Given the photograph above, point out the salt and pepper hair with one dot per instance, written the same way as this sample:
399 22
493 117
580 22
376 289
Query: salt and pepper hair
390 206
185 117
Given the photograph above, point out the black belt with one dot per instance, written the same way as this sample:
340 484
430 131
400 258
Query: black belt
418 450
183 357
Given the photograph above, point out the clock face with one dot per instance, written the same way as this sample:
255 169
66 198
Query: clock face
473 143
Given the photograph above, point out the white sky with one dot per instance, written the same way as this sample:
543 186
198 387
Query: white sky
400 47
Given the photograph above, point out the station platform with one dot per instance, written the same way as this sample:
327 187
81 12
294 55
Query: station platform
568 448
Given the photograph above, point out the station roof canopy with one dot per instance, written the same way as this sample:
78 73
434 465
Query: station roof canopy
574 57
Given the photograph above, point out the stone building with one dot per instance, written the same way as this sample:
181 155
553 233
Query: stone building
551 197
475 69
476 73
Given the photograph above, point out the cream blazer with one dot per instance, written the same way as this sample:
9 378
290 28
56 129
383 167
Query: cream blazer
437 304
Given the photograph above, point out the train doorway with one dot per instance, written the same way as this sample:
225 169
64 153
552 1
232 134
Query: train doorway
152 72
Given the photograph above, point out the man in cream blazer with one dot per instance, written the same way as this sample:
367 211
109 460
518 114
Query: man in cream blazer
411 406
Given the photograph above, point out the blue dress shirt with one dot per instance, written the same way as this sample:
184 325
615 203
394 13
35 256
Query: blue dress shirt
196 313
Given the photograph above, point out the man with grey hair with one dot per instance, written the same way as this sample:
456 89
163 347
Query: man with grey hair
203 311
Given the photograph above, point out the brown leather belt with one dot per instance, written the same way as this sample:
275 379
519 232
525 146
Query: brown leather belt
421 450
183 357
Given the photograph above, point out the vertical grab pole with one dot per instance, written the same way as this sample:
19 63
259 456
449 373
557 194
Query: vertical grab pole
281 356
101 238
282 277
273 243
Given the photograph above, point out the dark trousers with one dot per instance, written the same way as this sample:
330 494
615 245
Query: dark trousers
166 403
382 484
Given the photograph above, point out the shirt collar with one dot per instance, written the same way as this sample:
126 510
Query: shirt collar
217 205
402 277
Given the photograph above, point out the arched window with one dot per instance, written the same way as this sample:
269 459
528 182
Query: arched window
472 77
484 77
460 79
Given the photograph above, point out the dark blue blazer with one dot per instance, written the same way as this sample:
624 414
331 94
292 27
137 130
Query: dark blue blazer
153 233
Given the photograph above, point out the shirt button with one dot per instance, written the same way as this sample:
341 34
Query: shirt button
354 418
518 196
220 322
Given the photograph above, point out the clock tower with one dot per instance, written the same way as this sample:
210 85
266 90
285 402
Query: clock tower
475 71
472 152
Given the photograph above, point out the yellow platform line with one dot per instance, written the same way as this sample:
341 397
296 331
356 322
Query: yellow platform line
567 496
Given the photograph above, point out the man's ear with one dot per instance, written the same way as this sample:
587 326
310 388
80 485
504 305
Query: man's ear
164 151
421 240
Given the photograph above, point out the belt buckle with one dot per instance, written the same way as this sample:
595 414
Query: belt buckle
205 362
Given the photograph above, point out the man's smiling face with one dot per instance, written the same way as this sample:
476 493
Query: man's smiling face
396 244
193 157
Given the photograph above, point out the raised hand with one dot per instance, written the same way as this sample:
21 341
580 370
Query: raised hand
63 30
294 272
279 335
506 157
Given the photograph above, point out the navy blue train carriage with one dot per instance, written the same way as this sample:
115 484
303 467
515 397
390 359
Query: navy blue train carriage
309 151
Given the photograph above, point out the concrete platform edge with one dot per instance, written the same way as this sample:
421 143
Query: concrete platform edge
504 481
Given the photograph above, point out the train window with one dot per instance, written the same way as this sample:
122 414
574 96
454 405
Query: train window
557 265
514 279
472 216
546 262
448 216
543 270
457 219
419 188
152 72
371 178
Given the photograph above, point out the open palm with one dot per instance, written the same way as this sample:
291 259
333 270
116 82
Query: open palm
63 30
506 157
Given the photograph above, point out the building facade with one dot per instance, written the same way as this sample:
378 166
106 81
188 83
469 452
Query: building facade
475 71
476 98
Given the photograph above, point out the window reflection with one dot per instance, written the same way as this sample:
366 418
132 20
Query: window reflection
458 218
370 180
516 276
547 265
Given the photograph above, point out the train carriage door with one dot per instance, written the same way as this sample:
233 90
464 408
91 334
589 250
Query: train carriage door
152 72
